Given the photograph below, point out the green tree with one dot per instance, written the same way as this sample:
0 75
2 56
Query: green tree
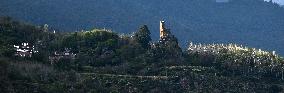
143 37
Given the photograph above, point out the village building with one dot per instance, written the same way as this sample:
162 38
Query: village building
57 55
25 50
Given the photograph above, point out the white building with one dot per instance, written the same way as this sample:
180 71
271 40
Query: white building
25 50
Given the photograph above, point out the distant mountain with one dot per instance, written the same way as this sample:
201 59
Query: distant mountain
253 23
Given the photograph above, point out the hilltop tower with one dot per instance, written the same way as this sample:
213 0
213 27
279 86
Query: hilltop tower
162 29
168 42
164 32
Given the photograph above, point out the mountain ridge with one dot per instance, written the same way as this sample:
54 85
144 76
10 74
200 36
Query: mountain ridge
253 23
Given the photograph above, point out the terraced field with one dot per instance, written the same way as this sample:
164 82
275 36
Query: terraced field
181 79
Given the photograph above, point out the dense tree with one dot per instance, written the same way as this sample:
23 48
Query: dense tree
14 33
142 36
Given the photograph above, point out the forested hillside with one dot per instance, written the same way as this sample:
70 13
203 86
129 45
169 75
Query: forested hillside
254 23
100 60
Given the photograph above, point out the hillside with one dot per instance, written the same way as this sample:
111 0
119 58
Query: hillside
253 23
37 59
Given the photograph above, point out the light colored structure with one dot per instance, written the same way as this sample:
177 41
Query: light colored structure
165 33
25 50
56 56
162 29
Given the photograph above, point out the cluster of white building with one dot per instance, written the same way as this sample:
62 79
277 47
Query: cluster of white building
57 55
25 50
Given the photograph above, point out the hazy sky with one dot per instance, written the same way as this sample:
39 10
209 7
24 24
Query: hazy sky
278 1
